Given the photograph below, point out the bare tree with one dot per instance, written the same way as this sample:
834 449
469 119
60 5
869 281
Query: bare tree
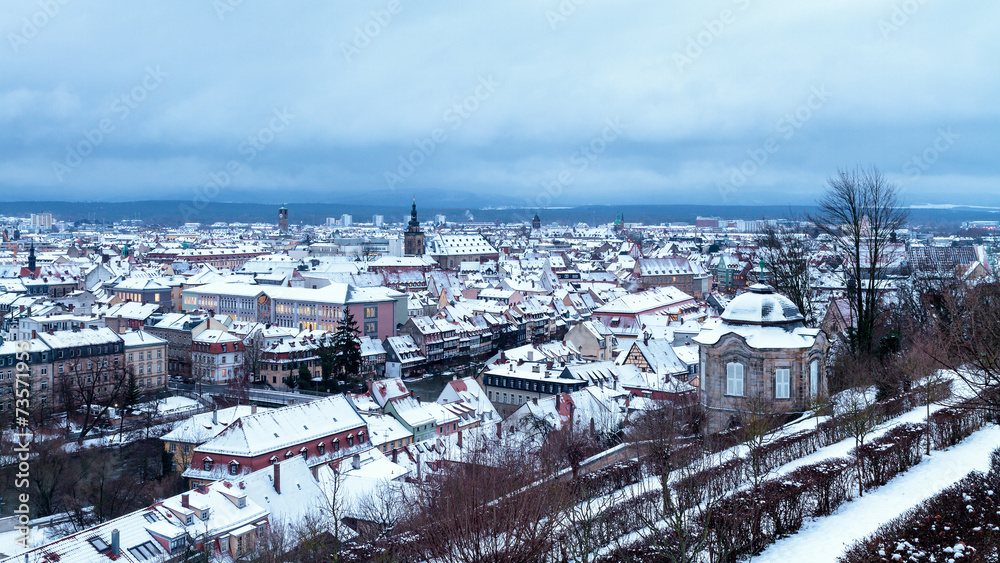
253 354
758 416
861 211
858 417
95 390
786 254
967 340
669 518
379 513
498 505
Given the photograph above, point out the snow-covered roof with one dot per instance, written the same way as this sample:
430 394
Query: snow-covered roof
273 430
761 305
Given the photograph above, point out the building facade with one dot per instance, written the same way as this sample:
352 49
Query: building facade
760 356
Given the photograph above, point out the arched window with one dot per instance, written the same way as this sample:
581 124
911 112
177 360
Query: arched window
304 452
813 378
336 444
734 379
234 467
361 437
350 440
321 448
208 464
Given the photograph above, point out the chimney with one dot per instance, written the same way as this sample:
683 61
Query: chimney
557 402
499 431
253 408
277 477
628 399
184 500
115 542
535 400
215 416
460 439
420 468
34 334
395 455
356 461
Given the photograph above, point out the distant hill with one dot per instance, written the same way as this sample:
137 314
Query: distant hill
172 213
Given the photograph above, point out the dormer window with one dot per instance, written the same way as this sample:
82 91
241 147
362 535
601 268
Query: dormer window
321 448
234 467
208 464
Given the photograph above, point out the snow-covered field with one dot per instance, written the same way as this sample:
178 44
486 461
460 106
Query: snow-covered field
825 539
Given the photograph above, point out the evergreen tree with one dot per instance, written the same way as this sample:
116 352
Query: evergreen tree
132 394
305 377
347 347
327 358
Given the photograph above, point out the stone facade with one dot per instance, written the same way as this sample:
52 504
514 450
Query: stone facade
759 376
760 356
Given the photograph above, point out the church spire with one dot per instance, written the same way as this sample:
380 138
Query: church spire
413 214
31 257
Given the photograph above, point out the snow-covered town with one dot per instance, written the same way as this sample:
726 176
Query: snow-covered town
556 281
439 391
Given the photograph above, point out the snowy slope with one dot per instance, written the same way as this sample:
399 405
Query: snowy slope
825 539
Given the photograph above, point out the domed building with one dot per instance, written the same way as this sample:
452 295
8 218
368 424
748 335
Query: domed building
760 349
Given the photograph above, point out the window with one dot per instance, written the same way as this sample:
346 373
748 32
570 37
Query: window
350 440
734 379
208 465
321 448
187 448
234 468
813 378
782 383
173 447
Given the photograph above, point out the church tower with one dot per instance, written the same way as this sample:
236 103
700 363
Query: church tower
413 238
283 219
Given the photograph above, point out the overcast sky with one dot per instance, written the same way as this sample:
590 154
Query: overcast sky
516 102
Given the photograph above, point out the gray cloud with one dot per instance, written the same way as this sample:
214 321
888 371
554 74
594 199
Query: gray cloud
699 84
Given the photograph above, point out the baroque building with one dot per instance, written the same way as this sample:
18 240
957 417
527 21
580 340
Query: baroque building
760 354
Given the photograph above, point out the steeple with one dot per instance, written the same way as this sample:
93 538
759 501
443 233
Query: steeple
413 238
31 257
413 214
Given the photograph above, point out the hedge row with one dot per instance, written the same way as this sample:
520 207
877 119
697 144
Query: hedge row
960 523
748 521
727 476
